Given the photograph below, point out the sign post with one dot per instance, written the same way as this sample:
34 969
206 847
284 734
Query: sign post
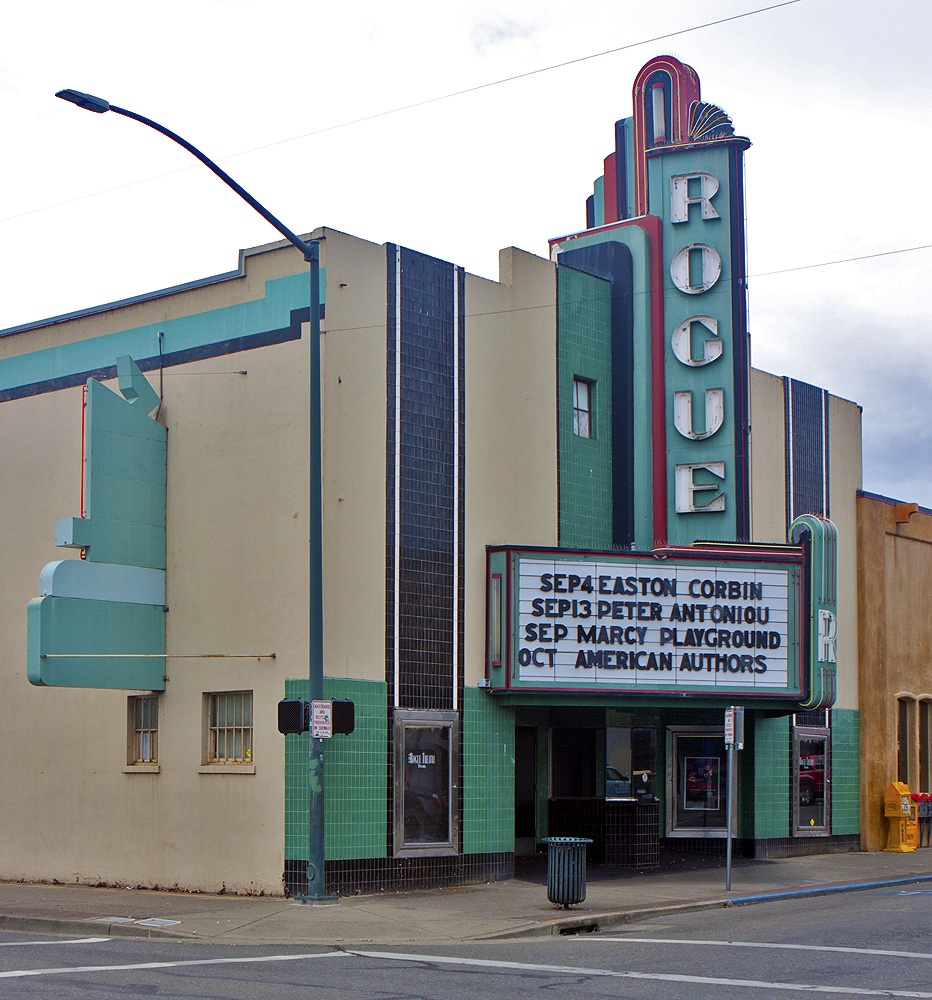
734 738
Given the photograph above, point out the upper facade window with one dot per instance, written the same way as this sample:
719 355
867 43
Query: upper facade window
582 407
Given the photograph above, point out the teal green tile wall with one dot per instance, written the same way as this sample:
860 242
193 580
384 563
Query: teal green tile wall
846 771
488 812
585 464
771 770
355 777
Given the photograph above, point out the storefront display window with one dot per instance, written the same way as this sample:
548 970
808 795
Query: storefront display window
426 816
697 791
630 758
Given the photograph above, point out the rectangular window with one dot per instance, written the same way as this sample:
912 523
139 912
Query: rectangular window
425 796
495 620
925 748
698 794
229 728
811 783
582 407
143 730
903 740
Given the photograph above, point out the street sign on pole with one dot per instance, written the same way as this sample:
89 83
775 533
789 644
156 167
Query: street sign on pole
734 740
321 720
734 727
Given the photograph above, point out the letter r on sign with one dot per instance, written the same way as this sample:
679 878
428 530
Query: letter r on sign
828 630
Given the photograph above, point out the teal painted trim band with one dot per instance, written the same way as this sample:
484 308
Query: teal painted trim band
282 295
102 582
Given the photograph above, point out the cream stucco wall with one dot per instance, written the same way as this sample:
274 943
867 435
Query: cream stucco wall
768 459
511 424
353 380
237 584
845 479
768 503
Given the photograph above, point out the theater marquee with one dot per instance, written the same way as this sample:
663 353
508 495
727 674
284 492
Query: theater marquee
685 621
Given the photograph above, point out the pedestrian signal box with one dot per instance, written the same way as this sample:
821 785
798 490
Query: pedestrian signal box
294 716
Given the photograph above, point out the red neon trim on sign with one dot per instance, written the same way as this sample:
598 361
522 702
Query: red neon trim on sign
83 413
684 84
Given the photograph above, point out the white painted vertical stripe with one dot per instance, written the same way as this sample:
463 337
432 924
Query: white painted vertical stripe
456 481
397 525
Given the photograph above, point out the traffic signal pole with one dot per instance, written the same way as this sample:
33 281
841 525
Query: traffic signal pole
316 888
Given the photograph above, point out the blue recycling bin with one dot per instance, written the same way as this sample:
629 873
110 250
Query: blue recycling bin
566 869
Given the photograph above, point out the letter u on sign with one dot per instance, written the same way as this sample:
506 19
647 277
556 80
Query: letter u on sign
683 413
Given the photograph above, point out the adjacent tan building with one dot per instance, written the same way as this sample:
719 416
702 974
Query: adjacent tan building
895 677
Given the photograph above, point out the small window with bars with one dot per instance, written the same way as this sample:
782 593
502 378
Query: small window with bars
143 730
229 728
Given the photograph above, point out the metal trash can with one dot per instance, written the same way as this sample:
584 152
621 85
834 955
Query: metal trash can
566 869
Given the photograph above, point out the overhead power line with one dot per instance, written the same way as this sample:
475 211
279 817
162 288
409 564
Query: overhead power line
843 260
520 76
416 104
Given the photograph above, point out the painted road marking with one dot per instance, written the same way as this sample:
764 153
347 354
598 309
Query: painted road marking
146 966
565 970
22 944
759 944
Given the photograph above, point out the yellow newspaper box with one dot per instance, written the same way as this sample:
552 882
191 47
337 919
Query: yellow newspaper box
903 815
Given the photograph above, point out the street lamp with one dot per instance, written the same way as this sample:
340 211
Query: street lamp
316 885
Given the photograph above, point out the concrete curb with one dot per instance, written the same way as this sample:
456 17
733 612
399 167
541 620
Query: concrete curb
824 890
592 923
89 928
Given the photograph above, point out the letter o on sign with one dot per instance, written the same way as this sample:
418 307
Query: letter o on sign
681 268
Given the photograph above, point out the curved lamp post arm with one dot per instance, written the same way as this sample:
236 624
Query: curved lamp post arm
98 105
316 881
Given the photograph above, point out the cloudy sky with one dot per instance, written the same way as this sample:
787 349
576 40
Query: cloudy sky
293 98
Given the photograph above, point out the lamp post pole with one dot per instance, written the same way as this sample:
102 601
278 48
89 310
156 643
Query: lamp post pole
316 885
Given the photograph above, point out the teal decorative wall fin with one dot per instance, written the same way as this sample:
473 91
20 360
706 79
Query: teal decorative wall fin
112 601
135 386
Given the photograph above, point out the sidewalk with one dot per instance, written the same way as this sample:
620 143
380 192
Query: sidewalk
517 908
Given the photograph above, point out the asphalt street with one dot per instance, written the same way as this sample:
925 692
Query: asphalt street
875 943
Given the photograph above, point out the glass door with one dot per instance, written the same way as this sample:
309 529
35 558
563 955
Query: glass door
811 783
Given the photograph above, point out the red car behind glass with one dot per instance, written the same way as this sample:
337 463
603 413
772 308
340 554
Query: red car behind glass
811 779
